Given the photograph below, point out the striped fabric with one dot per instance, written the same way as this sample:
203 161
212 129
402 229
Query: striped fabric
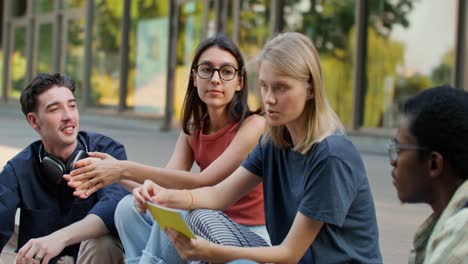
218 228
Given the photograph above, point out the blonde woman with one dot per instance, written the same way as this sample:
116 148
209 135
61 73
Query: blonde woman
318 202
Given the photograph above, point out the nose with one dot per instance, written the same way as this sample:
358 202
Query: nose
216 77
66 114
268 97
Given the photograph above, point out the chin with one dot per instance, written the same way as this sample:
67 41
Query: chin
274 122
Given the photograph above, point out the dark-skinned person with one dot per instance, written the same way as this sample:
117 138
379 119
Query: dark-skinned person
429 158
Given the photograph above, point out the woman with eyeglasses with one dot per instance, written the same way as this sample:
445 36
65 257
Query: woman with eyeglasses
219 131
318 203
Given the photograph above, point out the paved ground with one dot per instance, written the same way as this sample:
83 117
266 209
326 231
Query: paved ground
147 144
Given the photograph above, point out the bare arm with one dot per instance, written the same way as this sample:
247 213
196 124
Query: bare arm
218 197
50 246
302 234
176 175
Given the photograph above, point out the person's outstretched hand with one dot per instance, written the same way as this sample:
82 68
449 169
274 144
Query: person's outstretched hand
93 173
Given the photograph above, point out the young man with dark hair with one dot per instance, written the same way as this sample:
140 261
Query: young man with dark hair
430 165
54 225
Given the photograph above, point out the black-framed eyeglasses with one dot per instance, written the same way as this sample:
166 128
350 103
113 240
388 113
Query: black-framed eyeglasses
206 71
394 148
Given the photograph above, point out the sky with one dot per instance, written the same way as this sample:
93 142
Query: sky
430 35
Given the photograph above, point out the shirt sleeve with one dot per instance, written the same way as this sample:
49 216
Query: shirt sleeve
254 161
109 196
449 244
330 188
9 198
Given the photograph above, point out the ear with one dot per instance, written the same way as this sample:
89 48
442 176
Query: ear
33 120
310 93
436 164
240 84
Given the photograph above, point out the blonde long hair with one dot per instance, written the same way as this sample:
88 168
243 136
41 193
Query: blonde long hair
293 54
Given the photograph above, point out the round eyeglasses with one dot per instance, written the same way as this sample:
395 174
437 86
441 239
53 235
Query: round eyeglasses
206 71
394 148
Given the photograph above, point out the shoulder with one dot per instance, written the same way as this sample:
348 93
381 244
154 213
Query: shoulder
253 121
22 162
448 243
338 148
29 153
95 139
336 145
101 143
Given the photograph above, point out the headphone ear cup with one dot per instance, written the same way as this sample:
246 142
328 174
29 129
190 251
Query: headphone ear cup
80 154
53 169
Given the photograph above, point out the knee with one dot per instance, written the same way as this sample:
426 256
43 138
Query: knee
124 208
202 218
104 249
101 244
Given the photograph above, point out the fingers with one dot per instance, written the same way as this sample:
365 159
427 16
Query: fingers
74 184
83 163
32 252
182 243
100 155
94 189
138 200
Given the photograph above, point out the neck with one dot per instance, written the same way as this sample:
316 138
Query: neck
443 194
297 132
62 152
218 119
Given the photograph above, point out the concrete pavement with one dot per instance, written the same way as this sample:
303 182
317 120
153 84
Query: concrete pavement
145 143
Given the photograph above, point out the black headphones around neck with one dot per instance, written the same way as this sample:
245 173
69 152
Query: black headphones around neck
54 168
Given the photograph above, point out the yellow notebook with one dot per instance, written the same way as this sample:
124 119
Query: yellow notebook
169 217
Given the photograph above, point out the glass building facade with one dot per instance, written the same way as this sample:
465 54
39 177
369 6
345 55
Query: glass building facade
134 56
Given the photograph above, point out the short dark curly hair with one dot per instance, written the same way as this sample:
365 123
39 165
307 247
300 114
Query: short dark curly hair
438 119
41 83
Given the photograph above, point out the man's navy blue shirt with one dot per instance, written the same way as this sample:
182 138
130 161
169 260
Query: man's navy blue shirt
46 208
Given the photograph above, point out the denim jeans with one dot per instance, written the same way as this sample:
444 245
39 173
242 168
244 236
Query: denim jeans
142 238
145 242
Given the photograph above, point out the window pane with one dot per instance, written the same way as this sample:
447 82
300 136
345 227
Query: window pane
330 25
253 33
105 73
405 55
74 3
148 56
18 62
75 51
44 61
190 35
18 8
43 6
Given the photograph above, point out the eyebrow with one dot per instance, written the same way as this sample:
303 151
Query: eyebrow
222 64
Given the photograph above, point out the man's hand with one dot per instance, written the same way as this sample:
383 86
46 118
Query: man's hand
43 249
93 173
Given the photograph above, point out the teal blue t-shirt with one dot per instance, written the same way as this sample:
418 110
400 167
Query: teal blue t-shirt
328 184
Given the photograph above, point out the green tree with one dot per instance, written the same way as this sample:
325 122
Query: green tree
442 73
